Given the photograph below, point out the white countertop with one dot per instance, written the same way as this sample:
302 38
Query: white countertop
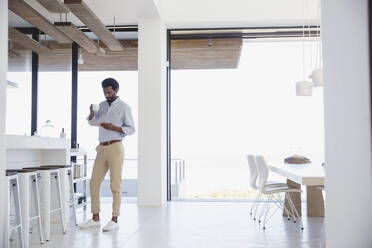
36 142
78 152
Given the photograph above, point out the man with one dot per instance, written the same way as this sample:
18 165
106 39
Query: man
115 121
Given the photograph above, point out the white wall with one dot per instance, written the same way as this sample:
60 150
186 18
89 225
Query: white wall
3 71
347 123
152 112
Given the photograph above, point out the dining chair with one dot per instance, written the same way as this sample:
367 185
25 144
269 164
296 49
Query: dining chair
253 183
273 194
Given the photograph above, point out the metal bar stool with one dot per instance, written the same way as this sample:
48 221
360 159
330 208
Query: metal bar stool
47 174
12 183
66 170
27 176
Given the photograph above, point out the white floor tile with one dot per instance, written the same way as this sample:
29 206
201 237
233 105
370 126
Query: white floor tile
187 224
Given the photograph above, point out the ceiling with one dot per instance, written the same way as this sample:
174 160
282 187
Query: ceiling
124 12
186 54
194 13
238 13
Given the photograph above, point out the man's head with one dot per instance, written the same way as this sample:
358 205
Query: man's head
110 88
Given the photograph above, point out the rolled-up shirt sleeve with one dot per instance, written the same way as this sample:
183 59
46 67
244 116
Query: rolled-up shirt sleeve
128 124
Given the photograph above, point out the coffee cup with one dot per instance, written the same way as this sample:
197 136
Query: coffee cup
95 107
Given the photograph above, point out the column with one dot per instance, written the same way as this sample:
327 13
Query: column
347 105
3 71
152 112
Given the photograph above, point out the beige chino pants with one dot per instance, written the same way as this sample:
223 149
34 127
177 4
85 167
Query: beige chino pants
111 158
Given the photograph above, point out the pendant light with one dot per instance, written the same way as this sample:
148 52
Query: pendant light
317 77
80 59
303 88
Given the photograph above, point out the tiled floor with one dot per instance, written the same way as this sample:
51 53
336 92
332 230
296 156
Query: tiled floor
188 225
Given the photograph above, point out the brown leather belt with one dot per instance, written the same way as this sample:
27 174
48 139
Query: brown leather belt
109 142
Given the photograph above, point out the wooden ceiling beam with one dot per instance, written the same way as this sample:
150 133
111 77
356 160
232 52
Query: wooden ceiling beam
29 14
190 54
128 44
79 37
27 42
205 43
54 6
13 54
87 16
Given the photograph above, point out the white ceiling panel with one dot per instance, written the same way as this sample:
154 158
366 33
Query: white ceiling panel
238 13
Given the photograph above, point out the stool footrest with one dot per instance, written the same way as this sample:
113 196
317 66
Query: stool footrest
15 227
35 217
55 210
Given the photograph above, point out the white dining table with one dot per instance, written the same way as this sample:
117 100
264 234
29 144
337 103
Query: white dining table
310 175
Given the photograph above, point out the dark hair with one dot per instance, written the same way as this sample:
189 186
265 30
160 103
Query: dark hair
110 82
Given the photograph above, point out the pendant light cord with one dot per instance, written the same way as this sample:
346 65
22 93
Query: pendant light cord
311 48
319 34
303 39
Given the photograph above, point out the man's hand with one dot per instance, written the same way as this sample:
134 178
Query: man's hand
91 115
108 126
111 127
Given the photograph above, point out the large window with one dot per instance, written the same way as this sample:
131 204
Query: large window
54 102
219 116
18 104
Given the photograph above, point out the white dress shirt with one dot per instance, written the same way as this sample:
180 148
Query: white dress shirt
119 114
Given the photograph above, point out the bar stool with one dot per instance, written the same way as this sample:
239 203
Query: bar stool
47 174
25 177
66 170
12 183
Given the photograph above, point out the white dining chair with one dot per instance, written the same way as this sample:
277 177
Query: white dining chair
273 194
253 183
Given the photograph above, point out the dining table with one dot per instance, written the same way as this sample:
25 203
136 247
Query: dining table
310 175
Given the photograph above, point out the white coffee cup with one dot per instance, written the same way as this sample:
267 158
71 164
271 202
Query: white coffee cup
95 107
